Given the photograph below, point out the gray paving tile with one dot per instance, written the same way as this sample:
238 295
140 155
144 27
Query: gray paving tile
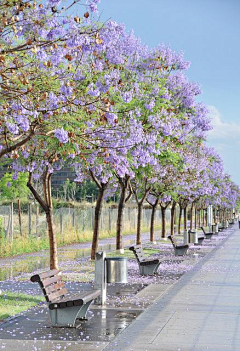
200 312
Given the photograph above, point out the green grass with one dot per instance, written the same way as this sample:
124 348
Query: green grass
26 244
13 303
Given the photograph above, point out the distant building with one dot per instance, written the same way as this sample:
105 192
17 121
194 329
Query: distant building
58 178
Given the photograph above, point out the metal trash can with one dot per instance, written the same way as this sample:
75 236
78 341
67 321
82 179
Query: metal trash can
186 237
116 270
193 237
215 228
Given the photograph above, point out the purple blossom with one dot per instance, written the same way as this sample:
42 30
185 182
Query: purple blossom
25 154
53 101
93 7
150 105
15 176
127 96
61 135
66 90
111 117
92 91
24 124
13 128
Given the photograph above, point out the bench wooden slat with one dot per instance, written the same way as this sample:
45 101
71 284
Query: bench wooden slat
147 265
141 257
57 294
51 288
206 233
58 298
39 277
48 281
175 244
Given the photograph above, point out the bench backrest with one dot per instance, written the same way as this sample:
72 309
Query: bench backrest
173 240
51 284
138 252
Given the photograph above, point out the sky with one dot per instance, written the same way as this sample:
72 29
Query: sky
208 32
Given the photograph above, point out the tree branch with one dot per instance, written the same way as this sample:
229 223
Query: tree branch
35 194
9 149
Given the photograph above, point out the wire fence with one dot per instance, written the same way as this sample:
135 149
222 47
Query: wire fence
14 224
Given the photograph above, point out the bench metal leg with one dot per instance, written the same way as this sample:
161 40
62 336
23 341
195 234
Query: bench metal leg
83 310
200 241
209 236
64 317
149 269
180 251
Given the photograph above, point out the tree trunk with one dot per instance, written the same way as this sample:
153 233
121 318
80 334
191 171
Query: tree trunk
195 218
52 241
19 216
203 217
199 218
120 214
152 223
172 217
185 218
163 213
139 221
191 217
179 219
214 216
97 216
46 205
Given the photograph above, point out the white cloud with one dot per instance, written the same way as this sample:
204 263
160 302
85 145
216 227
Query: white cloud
221 129
225 138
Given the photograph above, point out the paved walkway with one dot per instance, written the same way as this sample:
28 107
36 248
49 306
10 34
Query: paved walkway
200 312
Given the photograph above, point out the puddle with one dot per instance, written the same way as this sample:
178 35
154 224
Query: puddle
102 325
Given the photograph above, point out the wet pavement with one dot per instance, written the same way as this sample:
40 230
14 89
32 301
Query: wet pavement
125 302
102 325
199 313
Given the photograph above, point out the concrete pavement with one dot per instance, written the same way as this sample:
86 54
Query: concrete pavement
200 312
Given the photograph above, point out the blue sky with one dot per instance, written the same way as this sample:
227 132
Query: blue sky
208 31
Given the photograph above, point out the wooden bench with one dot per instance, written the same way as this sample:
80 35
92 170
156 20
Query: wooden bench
208 235
147 266
179 249
220 227
200 237
64 309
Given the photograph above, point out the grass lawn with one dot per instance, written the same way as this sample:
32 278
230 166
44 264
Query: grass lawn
12 303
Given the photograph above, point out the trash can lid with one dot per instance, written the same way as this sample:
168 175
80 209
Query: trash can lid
116 258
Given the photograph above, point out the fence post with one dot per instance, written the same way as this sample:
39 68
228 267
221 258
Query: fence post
61 222
109 220
73 218
83 217
11 221
37 219
19 216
